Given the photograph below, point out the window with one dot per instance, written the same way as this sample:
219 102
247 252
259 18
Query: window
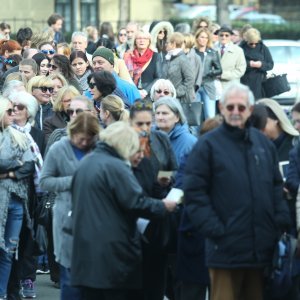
63 7
89 13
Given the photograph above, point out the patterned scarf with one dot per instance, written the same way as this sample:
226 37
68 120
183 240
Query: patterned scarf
36 154
135 63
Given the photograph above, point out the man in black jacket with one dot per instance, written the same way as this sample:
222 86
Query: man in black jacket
233 191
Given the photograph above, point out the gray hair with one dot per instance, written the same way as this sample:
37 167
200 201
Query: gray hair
162 82
182 28
79 33
236 87
11 86
174 105
27 100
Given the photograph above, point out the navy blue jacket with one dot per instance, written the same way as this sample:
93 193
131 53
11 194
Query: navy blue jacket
234 197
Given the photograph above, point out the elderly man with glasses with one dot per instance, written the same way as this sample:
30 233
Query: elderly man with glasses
234 198
233 60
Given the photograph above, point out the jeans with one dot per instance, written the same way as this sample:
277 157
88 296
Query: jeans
66 290
11 236
209 105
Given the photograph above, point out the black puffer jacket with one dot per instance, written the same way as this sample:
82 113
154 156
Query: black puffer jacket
234 196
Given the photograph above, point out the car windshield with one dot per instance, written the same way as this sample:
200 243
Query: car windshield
285 54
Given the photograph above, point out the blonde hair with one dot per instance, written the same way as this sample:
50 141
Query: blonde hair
189 40
252 35
66 49
177 38
115 106
197 22
39 81
85 123
144 33
122 137
41 37
209 35
18 138
15 76
66 90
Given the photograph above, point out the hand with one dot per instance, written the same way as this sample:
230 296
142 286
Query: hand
169 205
164 181
143 93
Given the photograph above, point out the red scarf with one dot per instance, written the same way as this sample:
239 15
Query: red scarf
138 62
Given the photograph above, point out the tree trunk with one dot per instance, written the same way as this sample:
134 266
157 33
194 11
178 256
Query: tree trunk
223 12
124 6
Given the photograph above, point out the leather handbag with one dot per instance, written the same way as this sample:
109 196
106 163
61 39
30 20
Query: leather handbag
193 112
276 85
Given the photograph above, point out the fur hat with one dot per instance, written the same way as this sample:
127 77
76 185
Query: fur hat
279 113
106 54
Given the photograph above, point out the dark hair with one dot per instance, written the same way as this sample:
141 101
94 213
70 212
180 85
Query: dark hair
4 25
271 114
140 105
259 116
64 65
54 18
105 42
296 107
105 82
80 54
106 30
24 35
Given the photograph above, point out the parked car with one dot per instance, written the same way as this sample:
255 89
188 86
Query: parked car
286 56
257 17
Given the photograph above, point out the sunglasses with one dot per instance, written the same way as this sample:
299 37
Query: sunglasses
252 44
162 31
92 85
77 111
48 51
10 62
224 35
241 108
19 106
140 124
166 93
53 67
10 111
45 88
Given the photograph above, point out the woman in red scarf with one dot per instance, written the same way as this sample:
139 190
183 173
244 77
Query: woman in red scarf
144 64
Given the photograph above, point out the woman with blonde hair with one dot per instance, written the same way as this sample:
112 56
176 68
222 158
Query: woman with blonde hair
57 174
16 167
259 61
112 109
210 69
144 65
60 117
64 49
59 81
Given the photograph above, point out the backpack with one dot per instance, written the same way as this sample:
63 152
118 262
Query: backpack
282 263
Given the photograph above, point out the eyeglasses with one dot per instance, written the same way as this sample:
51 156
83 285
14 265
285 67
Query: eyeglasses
122 34
241 108
10 62
92 85
140 124
203 26
45 88
224 35
48 51
77 111
19 106
142 105
166 93
53 67
10 111
252 44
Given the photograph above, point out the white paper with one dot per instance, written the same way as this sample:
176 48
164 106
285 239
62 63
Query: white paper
165 174
175 195
142 224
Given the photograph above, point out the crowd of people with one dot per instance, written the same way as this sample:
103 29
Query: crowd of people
96 134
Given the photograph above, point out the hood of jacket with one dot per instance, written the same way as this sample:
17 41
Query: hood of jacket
156 27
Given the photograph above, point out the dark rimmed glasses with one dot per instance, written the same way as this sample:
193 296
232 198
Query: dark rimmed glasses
19 106
70 112
241 108
44 89
48 52
165 92
10 111
224 35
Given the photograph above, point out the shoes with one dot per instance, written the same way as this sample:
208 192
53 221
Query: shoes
56 284
27 289
42 269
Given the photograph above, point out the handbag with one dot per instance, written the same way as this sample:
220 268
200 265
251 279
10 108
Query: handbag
276 85
193 112
43 212
40 240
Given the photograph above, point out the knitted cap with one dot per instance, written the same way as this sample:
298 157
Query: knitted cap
105 53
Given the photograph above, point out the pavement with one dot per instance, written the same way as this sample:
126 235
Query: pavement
45 289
